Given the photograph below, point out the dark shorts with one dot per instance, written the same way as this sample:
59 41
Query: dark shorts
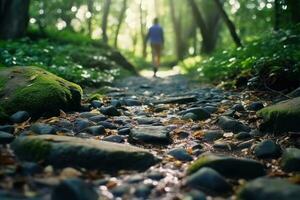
156 49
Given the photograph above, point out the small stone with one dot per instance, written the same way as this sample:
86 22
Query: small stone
190 116
212 135
267 149
290 161
150 135
85 107
74 189
177 100
114 138
229 124
180 154
229 166
156 176
242 136
135 179
120 190
143 191
110 111
81 124
124 131
108 125
238 108
19 117
256 106
210 109
116 103
199 112
209 180
6 138
98 118
194 195
132 102
87 114
267 188
96 104
95 130
245 145
7 128
147 120
43 129
30 168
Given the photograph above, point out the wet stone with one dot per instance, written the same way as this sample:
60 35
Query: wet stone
87 114
238 108
290 161
19 117
147 120
267 149
96 104
177 100
143 191
6 138
124 131
81 124
42 129
74 189
212 135
229 124
194 195
180 154
98 118
243 136
210 109
190 116
120 190
150 135
110 111
245 145
209 180
108 125
114 138
199 112
256 106
95 130
156 176
267 188
7 128
132 102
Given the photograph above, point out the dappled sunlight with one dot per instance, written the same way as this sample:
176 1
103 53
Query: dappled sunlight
161 73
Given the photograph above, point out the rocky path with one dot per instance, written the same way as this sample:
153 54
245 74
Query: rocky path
151 139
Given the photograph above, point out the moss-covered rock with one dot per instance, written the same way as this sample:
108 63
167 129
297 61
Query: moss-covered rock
281 117
36 91
290 161
63 151
229 166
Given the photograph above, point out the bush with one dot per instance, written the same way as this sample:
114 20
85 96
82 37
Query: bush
269 57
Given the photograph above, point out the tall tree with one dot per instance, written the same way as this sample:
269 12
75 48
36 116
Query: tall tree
90 5
13 18
120 22
294 9
177 29
143 30
276 14
209 28
106 9
230 25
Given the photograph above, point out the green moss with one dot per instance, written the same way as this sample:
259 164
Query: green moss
31 149
95 96
195 166
40 92
281 117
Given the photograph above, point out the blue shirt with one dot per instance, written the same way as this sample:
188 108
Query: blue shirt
156 34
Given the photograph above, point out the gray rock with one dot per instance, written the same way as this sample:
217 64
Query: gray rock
132 102
194 195
120 190
95 130
98 118
208 180
43 129
156 176
114 138
63 151
81 124
87 114
180 154
199 112
110 111
229 124
108 125
256 106
147 120
96 104
267 188
290 161
238 108
210 109
177 100
212 135
74 189
143 191
6 138
243 136
124 131
229 166
19 117
150 135
7 128
267 149
190 116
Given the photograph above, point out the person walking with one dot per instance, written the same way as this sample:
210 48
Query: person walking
156 38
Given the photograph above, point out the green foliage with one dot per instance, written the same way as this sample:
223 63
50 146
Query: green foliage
71 56
276 52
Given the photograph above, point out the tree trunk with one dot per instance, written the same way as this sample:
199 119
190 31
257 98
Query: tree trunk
120 22
177 29
143 31
276 15
106 9
294 9
229 23
90 4
14 18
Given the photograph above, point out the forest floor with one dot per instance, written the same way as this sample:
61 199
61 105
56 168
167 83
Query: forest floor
174 119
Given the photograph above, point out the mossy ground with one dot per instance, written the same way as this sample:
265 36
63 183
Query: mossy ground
37 92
